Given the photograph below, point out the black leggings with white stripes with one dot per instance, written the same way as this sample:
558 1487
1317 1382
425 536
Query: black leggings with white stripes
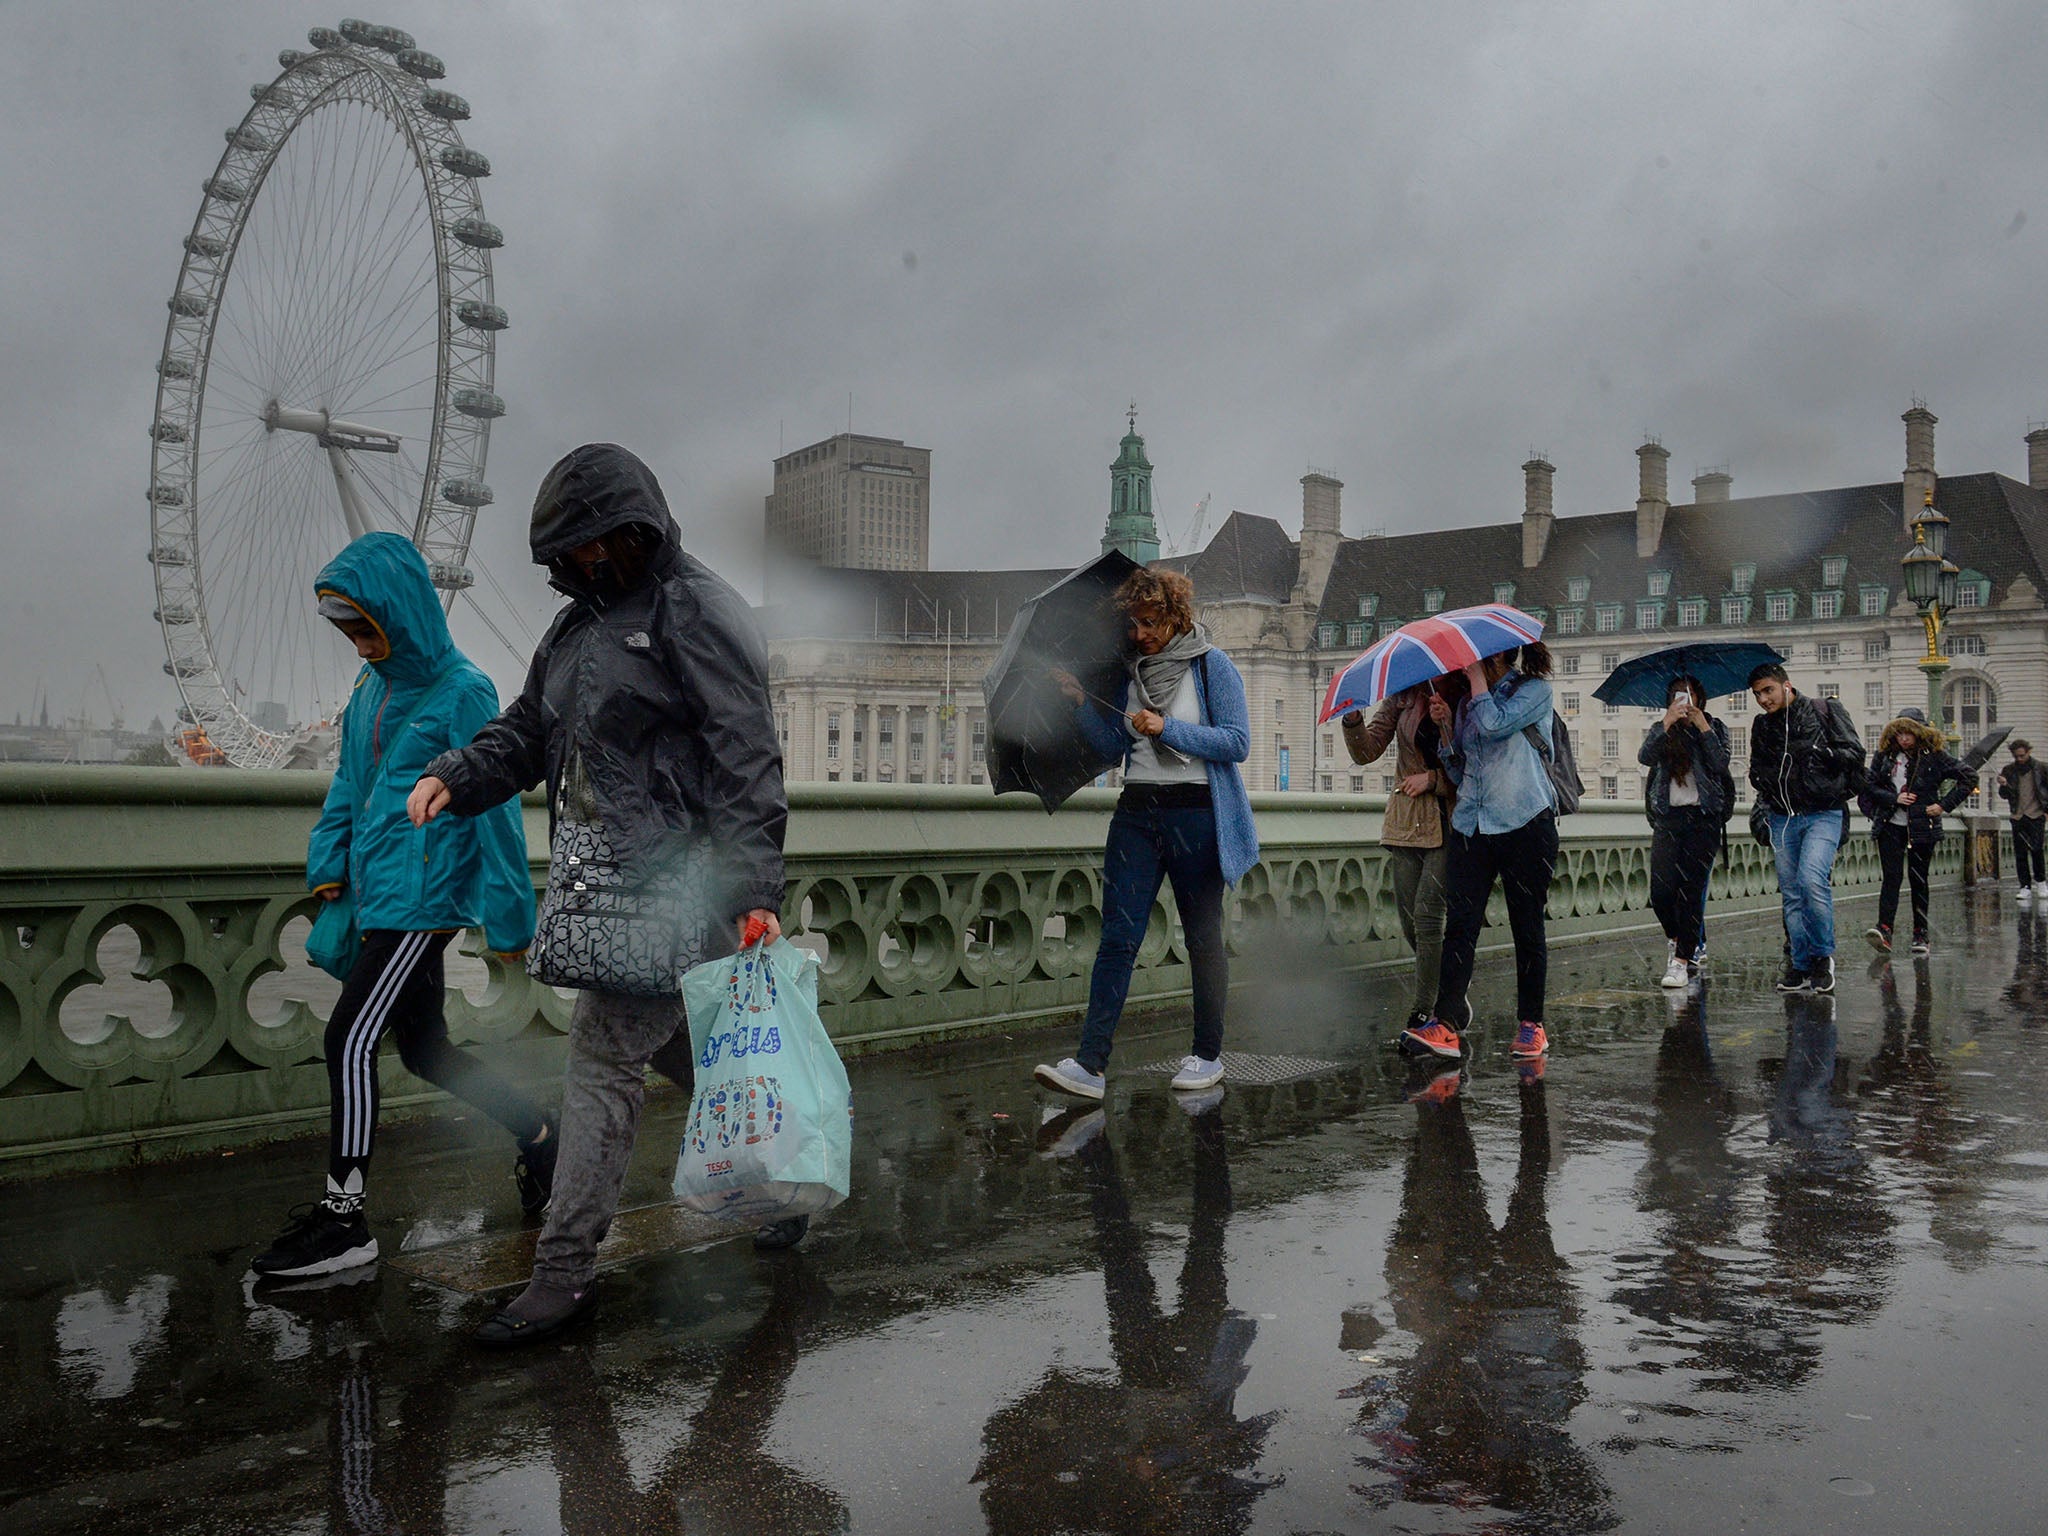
397 985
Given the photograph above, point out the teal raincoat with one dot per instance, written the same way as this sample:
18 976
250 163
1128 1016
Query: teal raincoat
457 871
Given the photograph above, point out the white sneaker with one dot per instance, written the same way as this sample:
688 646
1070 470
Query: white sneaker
2026 895
1677 973
1196 1074
1070 1077
2041 891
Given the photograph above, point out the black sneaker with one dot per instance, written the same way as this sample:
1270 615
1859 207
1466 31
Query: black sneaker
1822 976
534 1173
1794 980
317 1241
1921 948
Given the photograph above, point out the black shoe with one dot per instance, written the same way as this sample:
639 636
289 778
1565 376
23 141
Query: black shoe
1822 976
1921 948
778 1235
503 1330
317 1241
1796 980
534 1173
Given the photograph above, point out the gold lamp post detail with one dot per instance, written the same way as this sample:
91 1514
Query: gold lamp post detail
1931 585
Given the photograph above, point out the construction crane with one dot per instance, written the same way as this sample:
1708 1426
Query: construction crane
1189 542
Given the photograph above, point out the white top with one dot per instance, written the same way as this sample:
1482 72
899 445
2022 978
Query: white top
1686 791
1146 766
1899 786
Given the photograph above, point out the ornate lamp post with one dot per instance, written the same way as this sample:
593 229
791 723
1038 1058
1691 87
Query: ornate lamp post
1931 584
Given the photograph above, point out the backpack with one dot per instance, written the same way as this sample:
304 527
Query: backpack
1559 763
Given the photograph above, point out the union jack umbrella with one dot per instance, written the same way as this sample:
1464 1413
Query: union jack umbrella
1427 648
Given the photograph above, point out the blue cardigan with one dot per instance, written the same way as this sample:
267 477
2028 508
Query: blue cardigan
1221 741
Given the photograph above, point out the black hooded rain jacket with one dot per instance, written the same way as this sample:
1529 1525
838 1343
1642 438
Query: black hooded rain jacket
661 691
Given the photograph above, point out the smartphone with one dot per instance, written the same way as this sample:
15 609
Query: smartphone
1682 698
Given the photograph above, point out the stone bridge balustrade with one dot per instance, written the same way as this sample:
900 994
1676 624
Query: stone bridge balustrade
154 994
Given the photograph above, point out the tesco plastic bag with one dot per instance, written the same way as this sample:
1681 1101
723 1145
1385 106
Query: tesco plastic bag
770 1131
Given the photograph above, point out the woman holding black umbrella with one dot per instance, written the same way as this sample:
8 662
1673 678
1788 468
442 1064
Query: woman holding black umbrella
1689 793
1180 728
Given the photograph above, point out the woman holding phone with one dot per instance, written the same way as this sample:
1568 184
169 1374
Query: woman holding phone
1689 794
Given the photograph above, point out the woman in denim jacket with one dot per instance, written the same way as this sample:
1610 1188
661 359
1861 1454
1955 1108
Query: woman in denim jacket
1180 729
1504 827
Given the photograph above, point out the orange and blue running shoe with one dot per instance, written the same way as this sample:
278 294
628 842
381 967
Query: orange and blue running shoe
1436 1038
1530 1042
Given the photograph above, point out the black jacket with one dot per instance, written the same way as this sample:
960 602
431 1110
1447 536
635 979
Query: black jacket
1709 771
662 691
1806 757
1927 771
2008 779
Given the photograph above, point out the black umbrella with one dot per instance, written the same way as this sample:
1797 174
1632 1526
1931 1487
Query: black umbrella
1981 750
1074 625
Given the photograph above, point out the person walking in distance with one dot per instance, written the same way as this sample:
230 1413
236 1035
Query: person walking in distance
2023 785
1414 826
416 697
1690 795
646 711
1503 827
1911 786
1180 728
1805 763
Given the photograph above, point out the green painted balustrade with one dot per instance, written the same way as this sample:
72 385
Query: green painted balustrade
154 994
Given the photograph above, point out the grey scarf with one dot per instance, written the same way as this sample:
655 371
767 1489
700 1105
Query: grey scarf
1155 679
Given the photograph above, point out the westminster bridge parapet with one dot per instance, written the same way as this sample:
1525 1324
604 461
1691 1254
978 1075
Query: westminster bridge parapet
155 998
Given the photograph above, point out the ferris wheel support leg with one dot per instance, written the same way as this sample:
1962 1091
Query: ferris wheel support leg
351 503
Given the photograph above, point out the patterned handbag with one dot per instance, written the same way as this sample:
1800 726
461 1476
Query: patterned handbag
598 933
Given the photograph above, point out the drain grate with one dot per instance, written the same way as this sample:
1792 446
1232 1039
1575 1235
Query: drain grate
1263 1071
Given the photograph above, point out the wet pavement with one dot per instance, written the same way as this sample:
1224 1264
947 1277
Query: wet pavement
1728 1262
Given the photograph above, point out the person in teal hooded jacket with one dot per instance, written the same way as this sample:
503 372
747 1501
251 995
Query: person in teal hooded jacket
413 887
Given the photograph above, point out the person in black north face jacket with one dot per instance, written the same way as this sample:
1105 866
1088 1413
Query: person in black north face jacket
646 711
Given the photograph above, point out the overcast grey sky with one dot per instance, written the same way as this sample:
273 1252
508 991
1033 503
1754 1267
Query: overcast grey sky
1402 243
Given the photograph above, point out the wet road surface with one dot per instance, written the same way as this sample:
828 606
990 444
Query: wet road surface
1726 1263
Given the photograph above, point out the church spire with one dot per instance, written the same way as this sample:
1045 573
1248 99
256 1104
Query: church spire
1131 528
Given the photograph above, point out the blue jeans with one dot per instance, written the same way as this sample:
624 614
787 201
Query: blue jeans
1149 843
1805 846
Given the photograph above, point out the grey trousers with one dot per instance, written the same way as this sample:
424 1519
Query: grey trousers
1419 897
612 1040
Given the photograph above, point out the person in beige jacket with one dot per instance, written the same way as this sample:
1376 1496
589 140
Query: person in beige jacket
1412 831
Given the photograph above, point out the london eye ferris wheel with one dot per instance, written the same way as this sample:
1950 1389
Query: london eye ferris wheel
327 370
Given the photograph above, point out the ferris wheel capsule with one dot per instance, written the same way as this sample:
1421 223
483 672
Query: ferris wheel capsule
326 39
468 493
422 65
445 105
477 234
479 316
464 161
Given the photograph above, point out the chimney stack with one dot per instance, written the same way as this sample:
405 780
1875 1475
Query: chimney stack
1919 460
1710 486
1322 530
2037 458
1652 500
1537 517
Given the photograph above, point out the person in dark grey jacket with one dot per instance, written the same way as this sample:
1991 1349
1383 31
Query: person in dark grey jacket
1689 793
646 710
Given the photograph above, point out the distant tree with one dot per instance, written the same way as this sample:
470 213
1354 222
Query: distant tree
154 755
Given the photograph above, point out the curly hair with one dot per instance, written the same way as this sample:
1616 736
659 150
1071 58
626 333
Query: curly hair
1169 591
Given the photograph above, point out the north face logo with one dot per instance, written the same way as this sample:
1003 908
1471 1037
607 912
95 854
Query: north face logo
639 640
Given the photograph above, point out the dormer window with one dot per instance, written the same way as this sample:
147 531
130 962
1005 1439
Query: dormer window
1660 583
1833 570
1369 605
1432 599
1503 591
1742 578
1578 589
